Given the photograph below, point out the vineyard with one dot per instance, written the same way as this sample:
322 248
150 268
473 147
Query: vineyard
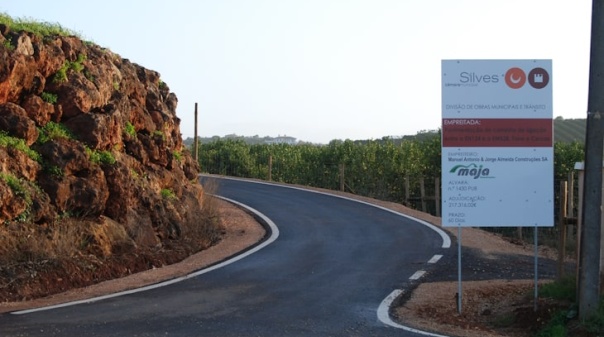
406 171
569 130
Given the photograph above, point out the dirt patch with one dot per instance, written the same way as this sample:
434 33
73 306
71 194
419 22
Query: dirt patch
489 308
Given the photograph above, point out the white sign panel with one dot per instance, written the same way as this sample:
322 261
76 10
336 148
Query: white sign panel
497 138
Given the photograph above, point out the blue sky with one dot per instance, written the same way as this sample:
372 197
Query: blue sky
320 70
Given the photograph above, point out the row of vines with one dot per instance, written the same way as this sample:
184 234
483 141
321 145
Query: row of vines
374 168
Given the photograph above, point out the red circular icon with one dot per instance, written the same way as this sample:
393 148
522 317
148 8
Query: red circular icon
515 78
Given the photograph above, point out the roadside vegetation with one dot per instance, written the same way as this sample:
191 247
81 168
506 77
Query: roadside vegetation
564 322
39 28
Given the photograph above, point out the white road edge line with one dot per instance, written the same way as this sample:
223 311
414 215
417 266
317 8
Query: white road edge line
271 239
384 308
384 316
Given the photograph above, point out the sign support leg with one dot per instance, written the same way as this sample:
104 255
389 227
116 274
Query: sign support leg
459 295
536 269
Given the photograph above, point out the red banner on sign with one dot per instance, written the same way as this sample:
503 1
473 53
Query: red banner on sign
480 132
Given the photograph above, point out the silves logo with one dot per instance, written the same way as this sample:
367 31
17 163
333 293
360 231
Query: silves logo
515 78
471 170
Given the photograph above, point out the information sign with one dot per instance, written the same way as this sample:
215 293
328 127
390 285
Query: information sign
497 143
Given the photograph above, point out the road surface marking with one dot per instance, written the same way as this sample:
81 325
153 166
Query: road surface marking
418 274
383 314
435 258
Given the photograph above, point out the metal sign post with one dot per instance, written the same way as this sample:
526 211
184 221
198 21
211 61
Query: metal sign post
459 290
536 269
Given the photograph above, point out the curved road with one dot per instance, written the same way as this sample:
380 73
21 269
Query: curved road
332 265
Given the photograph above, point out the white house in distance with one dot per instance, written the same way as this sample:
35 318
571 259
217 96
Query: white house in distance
281 140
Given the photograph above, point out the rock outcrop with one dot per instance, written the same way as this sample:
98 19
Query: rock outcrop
86 134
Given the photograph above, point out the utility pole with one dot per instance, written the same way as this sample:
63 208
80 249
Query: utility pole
196 141
589 263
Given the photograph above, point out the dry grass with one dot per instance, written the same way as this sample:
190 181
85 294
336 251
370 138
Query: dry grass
207 229
107 235
23 242
210 208
65 238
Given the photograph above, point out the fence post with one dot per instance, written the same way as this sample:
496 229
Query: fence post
562 229
342 185
581 182
270 167
407 190
570 210
196 141
422 191
437 195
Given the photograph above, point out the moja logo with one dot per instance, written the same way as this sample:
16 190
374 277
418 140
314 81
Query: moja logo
471 170
515 78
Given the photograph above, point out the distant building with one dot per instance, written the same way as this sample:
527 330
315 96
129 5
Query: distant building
281 140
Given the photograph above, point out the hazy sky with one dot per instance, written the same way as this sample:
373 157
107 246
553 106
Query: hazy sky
320 70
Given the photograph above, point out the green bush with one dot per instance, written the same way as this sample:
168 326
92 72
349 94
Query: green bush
89 76
168 194
49 97
101 157
159 134
18 187
13 182
564 289
130 130
19 144
53 130
8 44
555 328
61 74
77 66
107 158
177 155
55 171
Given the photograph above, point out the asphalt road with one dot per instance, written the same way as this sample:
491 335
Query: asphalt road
333 263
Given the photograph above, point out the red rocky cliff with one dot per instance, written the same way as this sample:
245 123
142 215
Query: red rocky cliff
114 110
